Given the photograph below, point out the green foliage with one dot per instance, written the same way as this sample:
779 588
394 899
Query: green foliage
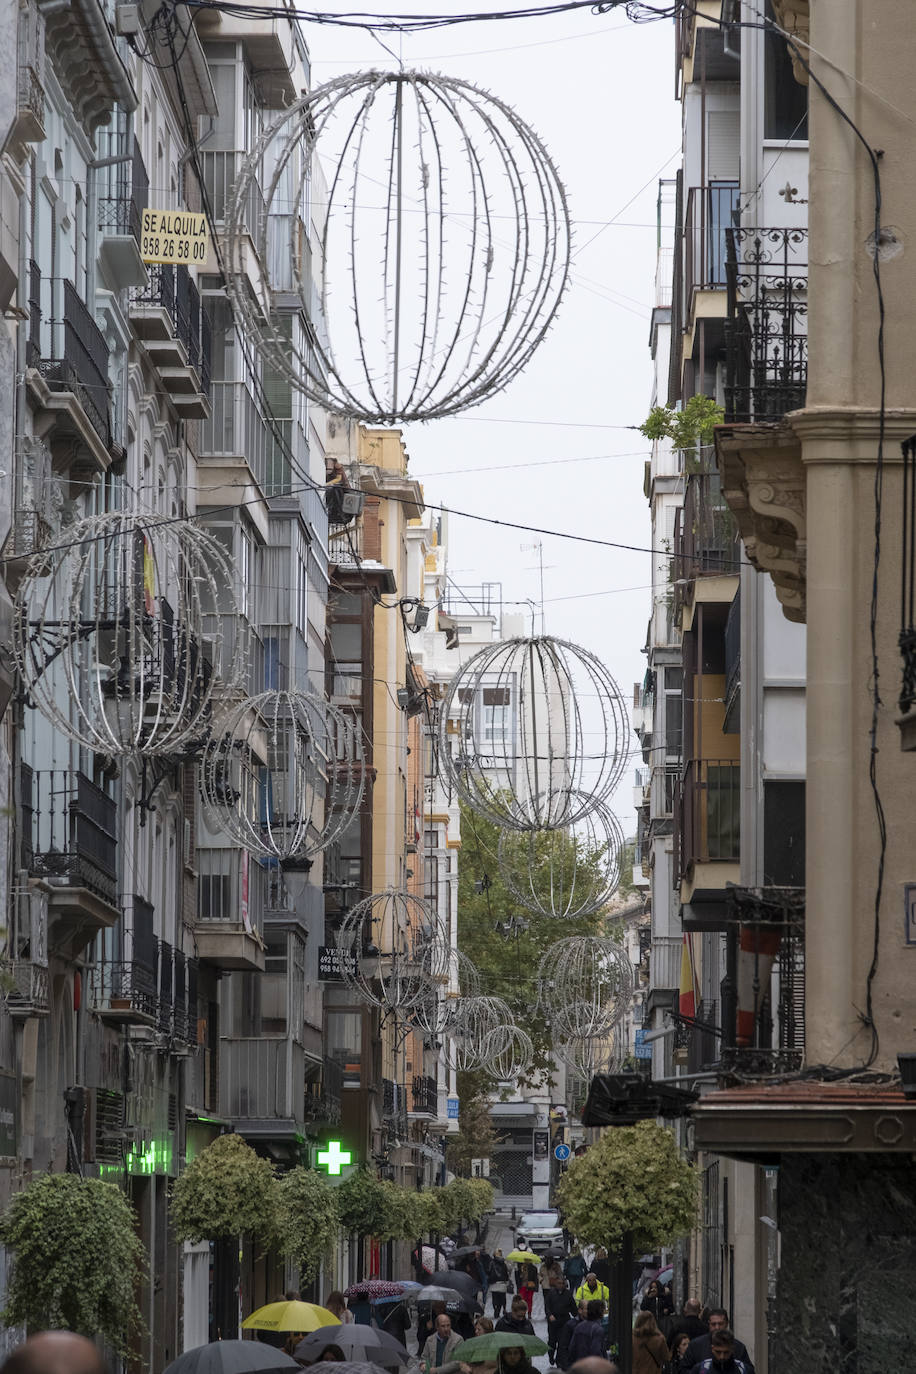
634 1180
430 1219
475 1138
465 1200
483 1197
362 1204
76 1258
685 428
308 1219
508 968
228 1190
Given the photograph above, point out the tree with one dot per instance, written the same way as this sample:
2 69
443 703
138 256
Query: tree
309 1219
632 1181
363 1204
508 967
228 1190
476 1138
76 1259
686 428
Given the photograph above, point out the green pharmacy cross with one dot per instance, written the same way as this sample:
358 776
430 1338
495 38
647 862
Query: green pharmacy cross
333 1157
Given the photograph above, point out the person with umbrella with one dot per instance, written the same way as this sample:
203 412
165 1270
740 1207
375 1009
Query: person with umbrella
501 1351
394 1318
360 1344
575 1268
518 1322
440 1348
527 1280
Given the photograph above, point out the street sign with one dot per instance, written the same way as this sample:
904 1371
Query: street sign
641 1050
562 1152
453 1106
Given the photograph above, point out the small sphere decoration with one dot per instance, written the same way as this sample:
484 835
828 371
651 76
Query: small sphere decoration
445 239
393 947
473 1026
585 985
542 731
566 873
435 1011
284 776
119 637
591 1055
509 1053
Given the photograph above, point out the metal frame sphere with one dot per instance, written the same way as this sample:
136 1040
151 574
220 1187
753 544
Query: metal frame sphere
120 635
473 1024
589 1055
445 244
434 1013
400 948
509 1053
285 774
585 986
568 873
559 746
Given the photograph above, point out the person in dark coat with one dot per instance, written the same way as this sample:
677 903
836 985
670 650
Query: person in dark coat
499 1283
518 1321
589 1337
701 1348
723 1359
559 1306
658 1302
575 1269
689 1321
601 1267
394 1317
563 1361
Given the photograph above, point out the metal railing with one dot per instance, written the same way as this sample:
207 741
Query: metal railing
28 987
121 212
231 890
126 982
763 1003
907 638
705 534
704 1038
665 953
236 428
67 346
220 171
424 1095
174 291
69 831
767 323
261 1078
323 1096
707 813
708 215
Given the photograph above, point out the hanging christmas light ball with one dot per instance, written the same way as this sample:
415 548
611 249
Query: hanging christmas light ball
434 1013
509 1053
284 775
124 636
474 1023
444 243
533 733
589 1055
585 986
566 873
392 949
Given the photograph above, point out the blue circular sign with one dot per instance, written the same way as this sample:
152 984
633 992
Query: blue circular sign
562 1152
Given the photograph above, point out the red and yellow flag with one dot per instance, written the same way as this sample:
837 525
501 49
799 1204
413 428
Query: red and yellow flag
688 999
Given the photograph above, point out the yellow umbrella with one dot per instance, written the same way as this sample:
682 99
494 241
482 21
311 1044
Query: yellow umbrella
521 1256
290 1316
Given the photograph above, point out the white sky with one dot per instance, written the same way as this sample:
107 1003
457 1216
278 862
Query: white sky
599 90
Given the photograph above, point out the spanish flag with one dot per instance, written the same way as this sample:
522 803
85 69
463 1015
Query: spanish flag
149 577
688 999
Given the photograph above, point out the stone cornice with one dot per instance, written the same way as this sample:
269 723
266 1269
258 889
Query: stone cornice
823 428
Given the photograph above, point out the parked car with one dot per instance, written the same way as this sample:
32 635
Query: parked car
538 1231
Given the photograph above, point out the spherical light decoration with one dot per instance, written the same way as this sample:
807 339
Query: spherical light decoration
509 1053
590 1055
540 732
124 636
284 774
393 948
566 873
435 1012
474 1023
445 243
585 986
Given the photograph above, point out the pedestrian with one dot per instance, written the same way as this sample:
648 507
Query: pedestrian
589 1337
518 1320
658 1301
723 1359
527 1281
337 1304
421 1271
439 1348
55 1352
593 1290
601 1266
593 1365
566 1335
482 1325
513 1360
650 1349
701 1348
575 1268
688 1320
331 1353
395 1318
426 1322
677 1353
559 1307
361 1308
499 1283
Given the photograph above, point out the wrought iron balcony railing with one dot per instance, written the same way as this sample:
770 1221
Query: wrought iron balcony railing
708 214
69 831
763 993
706 813
68 348
705 535
767 323
123 985
174 291
323 1095
121 209
424 1095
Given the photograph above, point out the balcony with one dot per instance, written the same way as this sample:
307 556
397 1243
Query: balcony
184 1004
69 838
220 171
231 891
236 449
424 1097
707 839
763 995
27 993
120 209
708 214
262 1085
705 546
323 1095
169 317
123 987
29 122
67 373
394 1108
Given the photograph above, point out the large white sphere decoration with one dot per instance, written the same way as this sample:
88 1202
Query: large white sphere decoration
585 986
509 1053
589 1055
474 1030
533 732
567 873
393 950
434 1013
119 636
284 774
445 244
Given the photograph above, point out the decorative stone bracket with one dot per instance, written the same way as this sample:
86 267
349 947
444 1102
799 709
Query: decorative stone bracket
763 483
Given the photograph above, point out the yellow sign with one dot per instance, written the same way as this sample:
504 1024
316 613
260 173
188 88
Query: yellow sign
175 236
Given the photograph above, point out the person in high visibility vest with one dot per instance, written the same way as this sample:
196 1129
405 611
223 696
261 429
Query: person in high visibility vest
590 1290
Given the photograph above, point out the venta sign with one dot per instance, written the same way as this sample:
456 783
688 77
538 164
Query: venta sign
174 236
331 962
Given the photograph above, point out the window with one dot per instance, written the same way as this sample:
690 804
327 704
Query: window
785 102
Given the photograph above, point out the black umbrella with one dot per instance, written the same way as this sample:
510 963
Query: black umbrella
464 1251
358 1343
458 1279
454 1301
233 1357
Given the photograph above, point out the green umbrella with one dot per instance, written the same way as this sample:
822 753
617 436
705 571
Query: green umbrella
480 1348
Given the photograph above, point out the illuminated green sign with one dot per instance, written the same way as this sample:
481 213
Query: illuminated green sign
156 1158
333 1157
